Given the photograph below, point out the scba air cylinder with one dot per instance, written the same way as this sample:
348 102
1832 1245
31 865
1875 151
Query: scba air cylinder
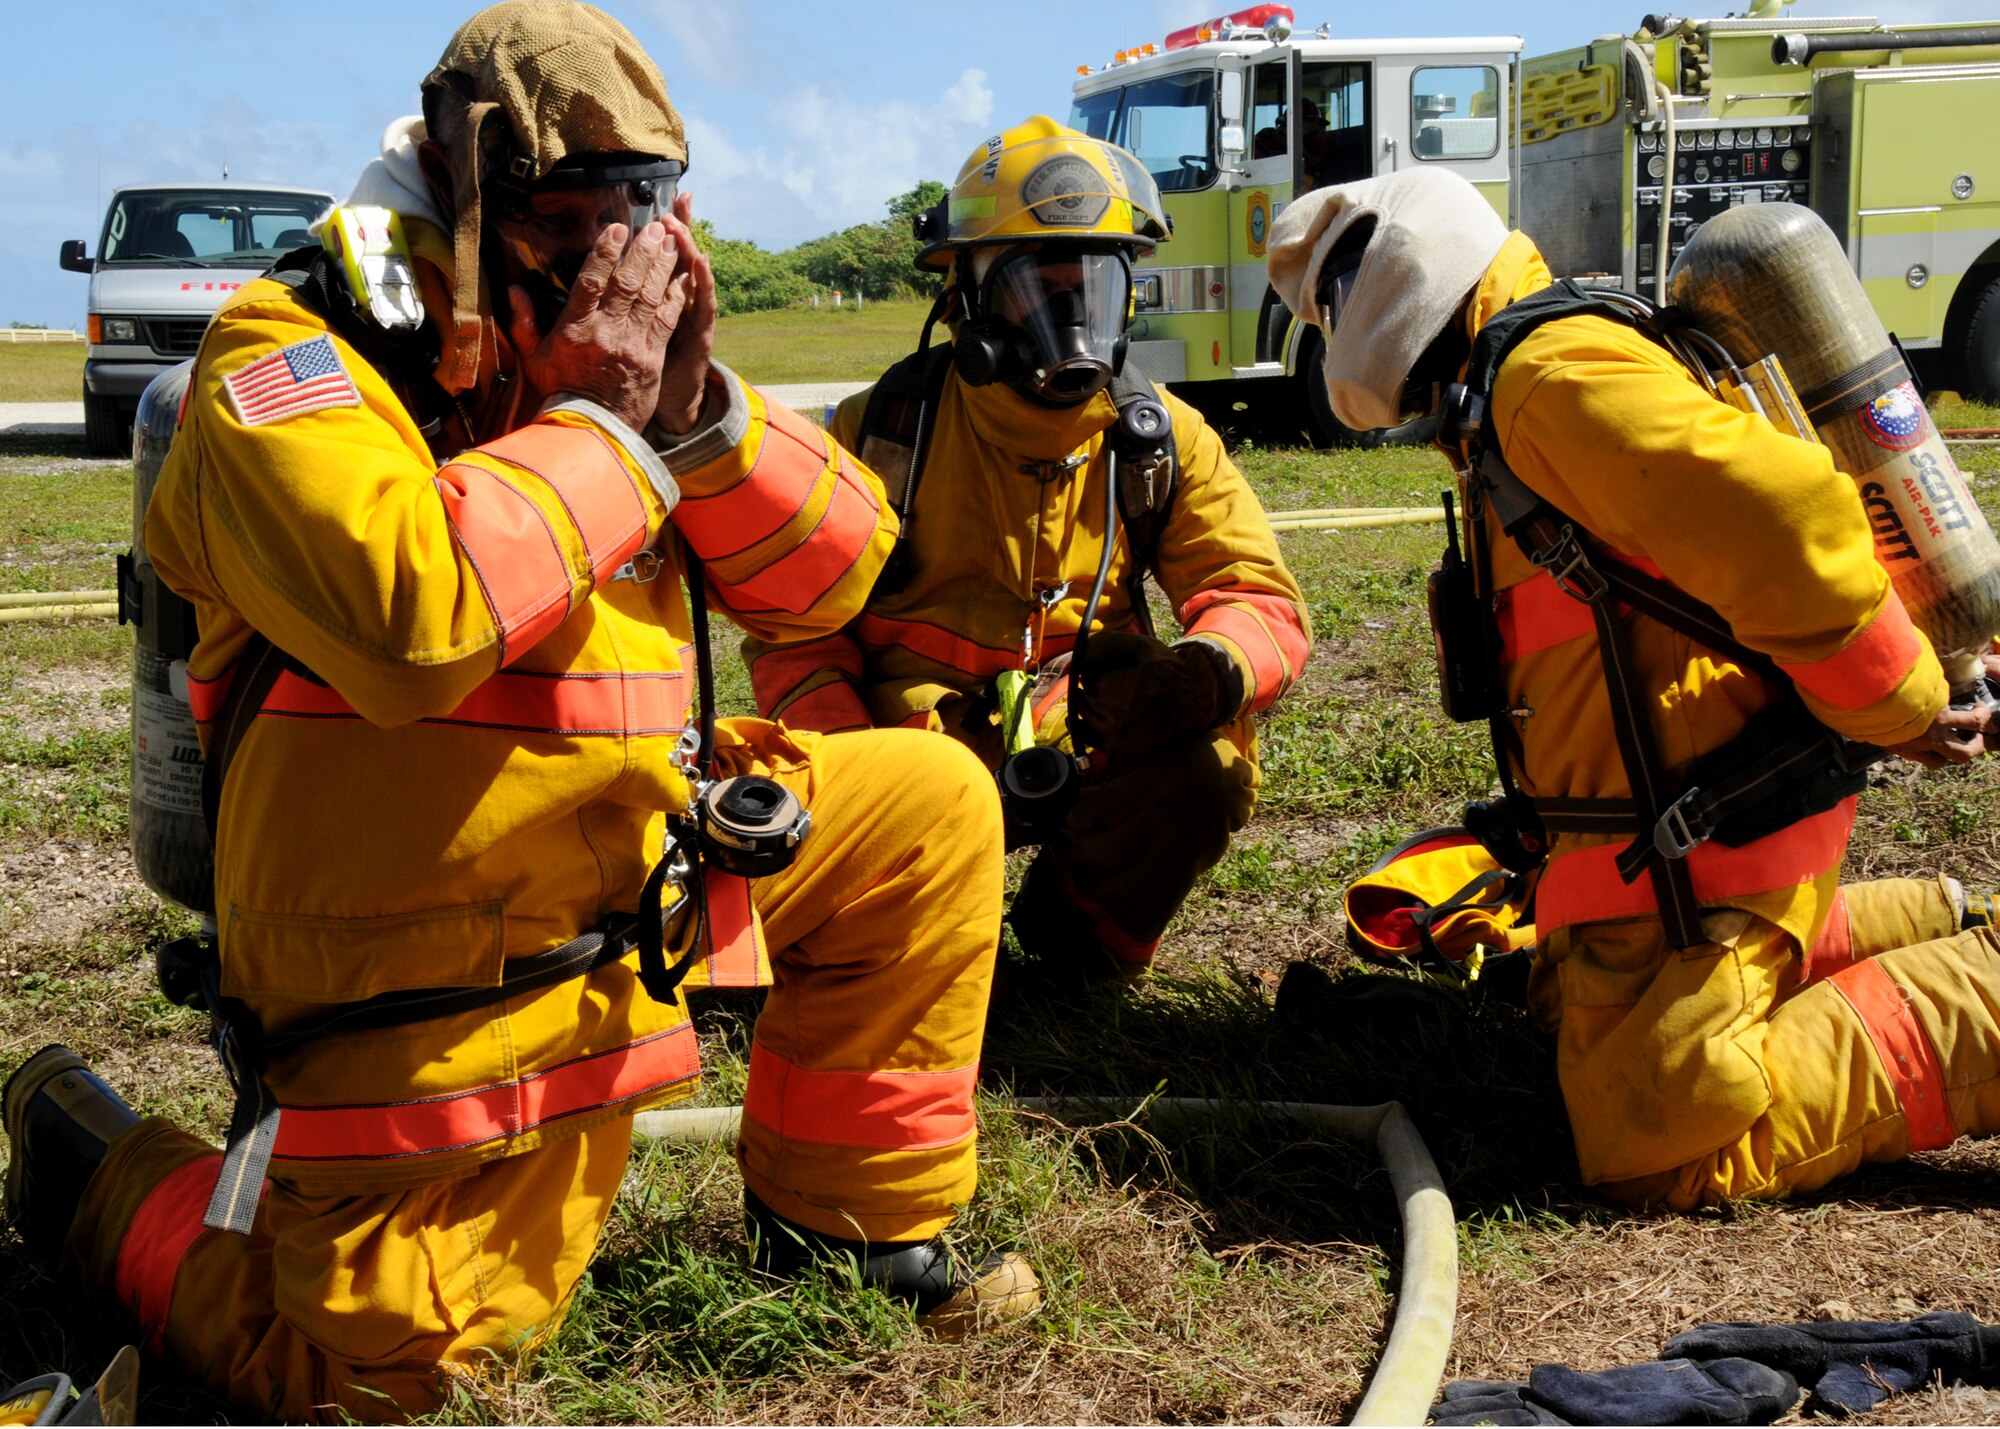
170 843
1772 279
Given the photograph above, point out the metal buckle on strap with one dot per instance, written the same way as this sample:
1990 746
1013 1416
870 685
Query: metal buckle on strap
643 566
1569 566
1684 826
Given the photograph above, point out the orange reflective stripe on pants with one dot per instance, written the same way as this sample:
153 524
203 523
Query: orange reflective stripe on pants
879 1110
1834 950
163 1229
1907 1054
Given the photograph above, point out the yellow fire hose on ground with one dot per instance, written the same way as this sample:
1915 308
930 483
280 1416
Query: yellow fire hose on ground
1406 1379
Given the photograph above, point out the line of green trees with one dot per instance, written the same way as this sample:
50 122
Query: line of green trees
875 260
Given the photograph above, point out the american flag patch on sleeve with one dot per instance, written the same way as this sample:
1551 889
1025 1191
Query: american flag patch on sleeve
305 377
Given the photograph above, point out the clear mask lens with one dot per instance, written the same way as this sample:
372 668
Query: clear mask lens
1070 308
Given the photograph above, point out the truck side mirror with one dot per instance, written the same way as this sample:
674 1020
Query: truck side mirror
73 260
1232 97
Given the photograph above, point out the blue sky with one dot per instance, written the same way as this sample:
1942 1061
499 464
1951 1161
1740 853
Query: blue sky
802 117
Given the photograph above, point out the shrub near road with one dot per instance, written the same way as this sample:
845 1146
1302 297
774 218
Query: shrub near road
1238 1272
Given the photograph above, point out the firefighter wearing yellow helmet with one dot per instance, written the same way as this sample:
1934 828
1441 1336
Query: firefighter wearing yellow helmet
1667 609
438 571
1040 483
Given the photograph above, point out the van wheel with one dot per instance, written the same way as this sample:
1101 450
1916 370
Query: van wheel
1323 428
1979 358
105 432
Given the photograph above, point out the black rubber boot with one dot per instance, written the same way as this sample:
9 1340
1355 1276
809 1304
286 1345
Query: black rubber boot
60 1120
950 1299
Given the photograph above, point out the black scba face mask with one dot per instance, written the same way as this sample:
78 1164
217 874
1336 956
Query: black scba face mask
539 235
1049 323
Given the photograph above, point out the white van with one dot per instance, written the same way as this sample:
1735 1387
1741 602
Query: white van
169 255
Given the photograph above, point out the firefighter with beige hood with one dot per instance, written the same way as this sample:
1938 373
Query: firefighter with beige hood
1676 594
1040 483
448 561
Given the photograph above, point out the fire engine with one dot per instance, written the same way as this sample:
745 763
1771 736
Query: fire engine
1609 156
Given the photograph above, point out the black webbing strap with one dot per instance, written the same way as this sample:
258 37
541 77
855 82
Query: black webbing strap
1145 496
257 670
1673 885
245 1049
1856 387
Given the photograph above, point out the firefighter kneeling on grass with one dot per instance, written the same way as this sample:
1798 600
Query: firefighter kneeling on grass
461 545
1039 482
1680 598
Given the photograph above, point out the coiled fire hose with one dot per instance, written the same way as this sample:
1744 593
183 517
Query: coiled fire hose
1406 1378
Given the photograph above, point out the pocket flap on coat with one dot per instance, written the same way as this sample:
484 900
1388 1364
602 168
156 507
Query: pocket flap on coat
294 957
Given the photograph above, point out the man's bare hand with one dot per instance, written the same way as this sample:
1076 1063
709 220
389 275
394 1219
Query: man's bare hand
1956 736
684 377
607 345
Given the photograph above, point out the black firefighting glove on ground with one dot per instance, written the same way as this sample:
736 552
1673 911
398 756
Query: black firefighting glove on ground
1139 693
1723 1391
1854 1365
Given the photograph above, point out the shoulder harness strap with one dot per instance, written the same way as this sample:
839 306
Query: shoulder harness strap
1149 479
895 438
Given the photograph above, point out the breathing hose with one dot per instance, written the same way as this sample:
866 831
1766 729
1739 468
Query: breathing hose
1406 1378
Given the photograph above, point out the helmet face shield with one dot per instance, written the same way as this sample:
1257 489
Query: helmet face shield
1068 311
545 232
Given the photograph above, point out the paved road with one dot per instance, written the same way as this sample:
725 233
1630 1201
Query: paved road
65 419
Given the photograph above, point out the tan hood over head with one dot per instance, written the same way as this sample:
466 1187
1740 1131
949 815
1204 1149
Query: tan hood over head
1434 237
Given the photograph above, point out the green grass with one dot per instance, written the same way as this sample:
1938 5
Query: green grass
41 371
821 344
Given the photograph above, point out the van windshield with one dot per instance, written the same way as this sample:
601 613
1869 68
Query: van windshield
207 228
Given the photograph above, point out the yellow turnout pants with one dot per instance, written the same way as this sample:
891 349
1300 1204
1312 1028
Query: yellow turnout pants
1742 1068
858 1121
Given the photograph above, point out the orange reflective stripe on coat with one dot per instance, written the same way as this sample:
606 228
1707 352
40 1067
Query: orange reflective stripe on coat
876 1110
516 553
1907 1054
1536 614
782 669
482 1114
605 507
937 644
531 701
793 467
798 580
1583 886
831 708
1870 666
165 1227
1264 625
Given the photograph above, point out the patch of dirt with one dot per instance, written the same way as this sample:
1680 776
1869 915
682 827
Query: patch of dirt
47 704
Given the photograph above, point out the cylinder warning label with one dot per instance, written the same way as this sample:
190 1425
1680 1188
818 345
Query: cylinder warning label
166 753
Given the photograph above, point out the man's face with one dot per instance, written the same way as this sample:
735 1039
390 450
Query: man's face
550 241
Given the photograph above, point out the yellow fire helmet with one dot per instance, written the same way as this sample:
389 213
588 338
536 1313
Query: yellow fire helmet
1043 182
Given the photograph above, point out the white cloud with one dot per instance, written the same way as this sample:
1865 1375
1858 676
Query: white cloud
830 161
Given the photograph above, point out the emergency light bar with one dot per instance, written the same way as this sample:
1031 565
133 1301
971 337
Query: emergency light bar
1274 22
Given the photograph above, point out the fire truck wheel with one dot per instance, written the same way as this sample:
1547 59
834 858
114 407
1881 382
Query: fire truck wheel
1323 428
1979 359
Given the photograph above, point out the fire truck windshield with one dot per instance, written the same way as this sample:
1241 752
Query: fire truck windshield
1167 121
